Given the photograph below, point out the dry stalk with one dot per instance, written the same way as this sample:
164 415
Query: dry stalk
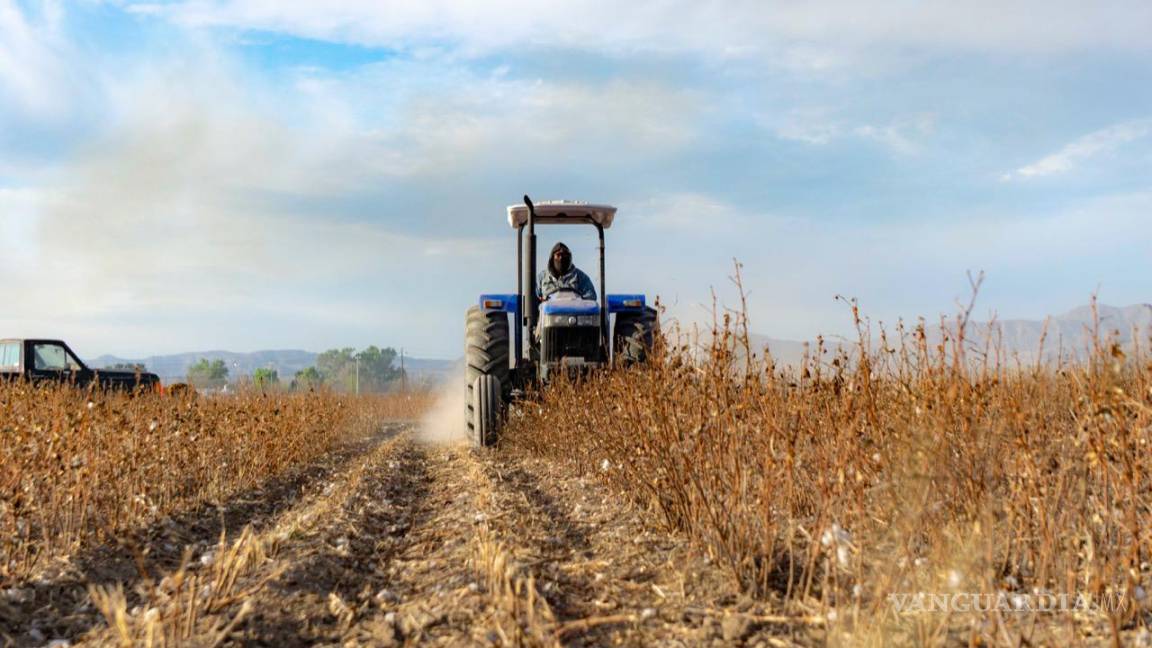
202 606
925 460
78 468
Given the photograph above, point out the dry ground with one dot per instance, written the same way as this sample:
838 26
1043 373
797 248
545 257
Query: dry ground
393 541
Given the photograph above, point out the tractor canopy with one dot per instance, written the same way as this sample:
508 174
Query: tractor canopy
562 212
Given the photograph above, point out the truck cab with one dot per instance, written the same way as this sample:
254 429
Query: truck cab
46 360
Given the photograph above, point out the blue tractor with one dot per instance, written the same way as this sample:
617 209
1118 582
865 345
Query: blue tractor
563 334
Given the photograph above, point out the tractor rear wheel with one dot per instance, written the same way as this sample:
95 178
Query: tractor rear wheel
634 334
486 354
488 411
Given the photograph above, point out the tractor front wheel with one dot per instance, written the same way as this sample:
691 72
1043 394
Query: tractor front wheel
487 410
486 353
634 334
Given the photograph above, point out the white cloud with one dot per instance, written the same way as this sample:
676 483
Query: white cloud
812 35
819 127
17 228
207 199
1084 148
180 192
902 136
33 59
794 266
686 212
213 198
811 126
406 119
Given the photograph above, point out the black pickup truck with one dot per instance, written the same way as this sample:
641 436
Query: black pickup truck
53 361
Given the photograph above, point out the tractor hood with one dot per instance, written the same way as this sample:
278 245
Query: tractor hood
560 306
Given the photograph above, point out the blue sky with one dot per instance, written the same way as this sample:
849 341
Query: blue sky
243 174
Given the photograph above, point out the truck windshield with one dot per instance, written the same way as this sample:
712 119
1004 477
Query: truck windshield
53 357
9 355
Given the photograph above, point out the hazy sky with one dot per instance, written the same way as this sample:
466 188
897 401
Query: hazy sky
253 174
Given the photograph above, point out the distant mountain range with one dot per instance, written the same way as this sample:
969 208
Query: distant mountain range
1067 335
286 362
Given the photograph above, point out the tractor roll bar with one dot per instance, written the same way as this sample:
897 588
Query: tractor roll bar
530 280
526 280
603 293
519 314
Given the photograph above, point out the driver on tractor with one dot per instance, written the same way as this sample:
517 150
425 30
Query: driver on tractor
561 275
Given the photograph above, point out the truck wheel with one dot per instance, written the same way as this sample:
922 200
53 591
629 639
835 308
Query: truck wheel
488 411
486 353
634 334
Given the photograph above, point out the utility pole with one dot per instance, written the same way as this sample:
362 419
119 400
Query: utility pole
403 376
357 375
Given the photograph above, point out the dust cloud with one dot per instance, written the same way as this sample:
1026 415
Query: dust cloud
444 422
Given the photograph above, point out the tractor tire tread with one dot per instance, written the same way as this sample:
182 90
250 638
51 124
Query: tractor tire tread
487 349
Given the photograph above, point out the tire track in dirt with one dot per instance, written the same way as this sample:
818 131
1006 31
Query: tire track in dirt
446 545
284 584
458 574
385 555
411 543
518 552
611 577
453 582
333 569
56 604
389 553
400 553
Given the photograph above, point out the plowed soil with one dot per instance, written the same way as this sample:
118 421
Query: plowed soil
393 541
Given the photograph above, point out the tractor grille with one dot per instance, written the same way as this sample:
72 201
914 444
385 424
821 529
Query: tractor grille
570 341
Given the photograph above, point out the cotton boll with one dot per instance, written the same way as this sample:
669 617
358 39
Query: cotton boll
843 555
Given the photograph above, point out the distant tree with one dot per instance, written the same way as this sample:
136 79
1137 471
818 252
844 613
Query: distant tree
309 378
333 364
376 370
338 368
206 373
265 378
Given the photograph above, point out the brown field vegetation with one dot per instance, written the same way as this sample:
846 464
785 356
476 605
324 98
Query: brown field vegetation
815 493
906 465
79 467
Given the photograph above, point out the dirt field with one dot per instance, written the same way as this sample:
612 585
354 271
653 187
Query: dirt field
396 541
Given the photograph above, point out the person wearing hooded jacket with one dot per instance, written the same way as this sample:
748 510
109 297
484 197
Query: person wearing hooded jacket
562 275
